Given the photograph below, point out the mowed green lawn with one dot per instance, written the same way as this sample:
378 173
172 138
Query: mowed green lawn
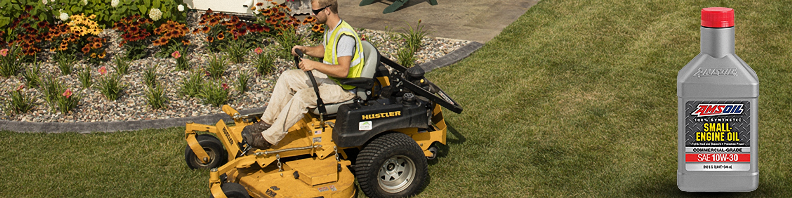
574 99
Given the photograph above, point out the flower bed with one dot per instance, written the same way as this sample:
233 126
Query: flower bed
142 69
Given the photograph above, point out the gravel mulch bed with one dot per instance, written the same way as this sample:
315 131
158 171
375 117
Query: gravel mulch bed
132 105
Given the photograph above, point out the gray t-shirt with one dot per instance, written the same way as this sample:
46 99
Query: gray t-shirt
346 44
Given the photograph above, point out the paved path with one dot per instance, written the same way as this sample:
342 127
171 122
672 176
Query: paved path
473 20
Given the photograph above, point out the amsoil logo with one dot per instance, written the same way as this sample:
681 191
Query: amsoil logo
718 109
707 72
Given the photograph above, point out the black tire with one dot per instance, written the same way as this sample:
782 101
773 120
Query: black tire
234 190
392 165
213 148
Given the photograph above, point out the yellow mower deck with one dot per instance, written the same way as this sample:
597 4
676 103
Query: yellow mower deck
322 172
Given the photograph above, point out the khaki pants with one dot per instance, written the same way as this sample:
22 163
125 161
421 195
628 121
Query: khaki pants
291 98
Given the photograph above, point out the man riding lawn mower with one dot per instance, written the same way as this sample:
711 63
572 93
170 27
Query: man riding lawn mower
382 138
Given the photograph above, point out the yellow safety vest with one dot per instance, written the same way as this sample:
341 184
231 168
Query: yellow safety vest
331 57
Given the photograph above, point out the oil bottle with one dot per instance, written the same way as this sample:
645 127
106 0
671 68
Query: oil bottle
717 94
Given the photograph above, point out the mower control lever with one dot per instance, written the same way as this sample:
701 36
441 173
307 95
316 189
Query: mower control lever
319 103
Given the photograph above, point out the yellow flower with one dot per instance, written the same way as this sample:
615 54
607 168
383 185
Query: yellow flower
93 55
93 16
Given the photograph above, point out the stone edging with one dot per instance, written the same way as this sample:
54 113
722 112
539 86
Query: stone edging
88 127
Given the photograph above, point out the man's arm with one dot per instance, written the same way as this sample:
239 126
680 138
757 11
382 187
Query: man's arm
339 71
314 51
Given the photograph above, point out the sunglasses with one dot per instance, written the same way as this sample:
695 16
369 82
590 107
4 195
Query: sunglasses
316 12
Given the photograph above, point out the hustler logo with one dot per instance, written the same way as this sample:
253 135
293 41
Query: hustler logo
382 115
718 109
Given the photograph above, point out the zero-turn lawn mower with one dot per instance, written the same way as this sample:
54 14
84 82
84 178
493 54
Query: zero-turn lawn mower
383 138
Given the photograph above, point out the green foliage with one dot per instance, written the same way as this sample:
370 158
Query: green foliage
150 76
85 77
67 101
181 62
242 82
406 56
121 64
58 96
191 84
217 66
65 62
413 36
236 50
264 63
155 95
31 75
10 63
110 86
21 102
214 93
287 39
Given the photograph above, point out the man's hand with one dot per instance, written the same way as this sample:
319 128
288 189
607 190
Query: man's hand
302 48
307 64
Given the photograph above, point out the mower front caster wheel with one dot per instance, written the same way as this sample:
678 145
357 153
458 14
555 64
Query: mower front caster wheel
213 148
234 190
392 165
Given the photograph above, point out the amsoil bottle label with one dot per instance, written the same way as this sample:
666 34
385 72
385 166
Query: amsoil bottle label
717 136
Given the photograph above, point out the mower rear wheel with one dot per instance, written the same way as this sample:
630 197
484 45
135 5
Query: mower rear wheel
392 165
213 148
234 190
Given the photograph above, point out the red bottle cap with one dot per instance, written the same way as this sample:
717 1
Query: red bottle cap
717 17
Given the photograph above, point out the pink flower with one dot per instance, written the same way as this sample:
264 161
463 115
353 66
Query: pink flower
20 87
102 70
68 93
258 50
4 52
208 74
225 86
176 54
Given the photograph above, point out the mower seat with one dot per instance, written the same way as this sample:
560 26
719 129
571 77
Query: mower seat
372 58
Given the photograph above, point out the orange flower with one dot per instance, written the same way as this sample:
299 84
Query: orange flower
259 4
196 31
206 29
97 45
63 46
93 55
101 56
220 36
86 49
210 39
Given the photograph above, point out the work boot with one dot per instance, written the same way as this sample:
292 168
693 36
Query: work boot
252 135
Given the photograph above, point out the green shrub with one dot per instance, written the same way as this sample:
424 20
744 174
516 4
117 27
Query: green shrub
242 82
413 36
191 84
406 56
110 85
214 93
150 76
67 101
217 66
10 61
85 77
155 96
264 62
121 64
20 102
32 78
236 50
65 62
